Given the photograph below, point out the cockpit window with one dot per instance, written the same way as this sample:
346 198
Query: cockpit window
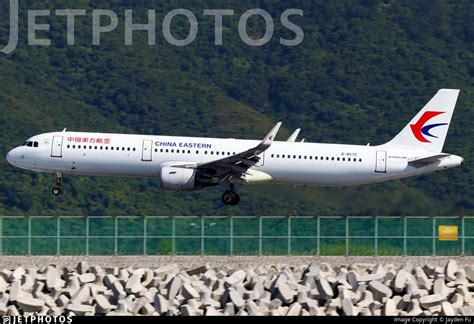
29 144
36 144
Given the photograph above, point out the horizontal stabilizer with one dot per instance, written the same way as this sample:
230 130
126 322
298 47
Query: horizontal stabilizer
419 162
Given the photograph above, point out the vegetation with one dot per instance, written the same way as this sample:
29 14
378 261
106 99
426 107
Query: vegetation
364 69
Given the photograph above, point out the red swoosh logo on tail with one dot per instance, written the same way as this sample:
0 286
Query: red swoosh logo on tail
416 128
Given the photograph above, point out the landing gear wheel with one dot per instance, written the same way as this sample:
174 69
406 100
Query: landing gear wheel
56 191
230 198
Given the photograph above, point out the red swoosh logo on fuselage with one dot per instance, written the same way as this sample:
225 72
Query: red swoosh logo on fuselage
416 128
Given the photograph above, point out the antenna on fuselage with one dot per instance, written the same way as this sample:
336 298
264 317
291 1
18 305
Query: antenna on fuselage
64 130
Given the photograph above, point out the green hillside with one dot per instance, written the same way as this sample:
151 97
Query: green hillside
363 70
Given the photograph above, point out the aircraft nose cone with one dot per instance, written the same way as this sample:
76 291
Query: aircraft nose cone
10 157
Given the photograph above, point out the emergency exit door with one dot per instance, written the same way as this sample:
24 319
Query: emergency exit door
57 146
147 150
381 162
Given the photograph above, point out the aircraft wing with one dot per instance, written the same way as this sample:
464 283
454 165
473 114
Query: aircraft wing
241 162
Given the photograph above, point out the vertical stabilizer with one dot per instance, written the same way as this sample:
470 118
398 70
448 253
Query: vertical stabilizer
428 130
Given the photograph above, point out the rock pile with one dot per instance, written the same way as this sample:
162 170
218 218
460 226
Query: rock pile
317 289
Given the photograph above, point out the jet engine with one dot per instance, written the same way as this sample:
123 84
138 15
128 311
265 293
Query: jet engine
182 179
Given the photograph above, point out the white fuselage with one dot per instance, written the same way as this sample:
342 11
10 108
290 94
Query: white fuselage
99 154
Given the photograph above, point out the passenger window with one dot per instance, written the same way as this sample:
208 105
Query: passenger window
189 151
305 157
212 152
74 146
327 158
273 155
332 159
134 149
349 159
217 153
197 152
283 156
95 147
128 149
343 159
90 147
360 160
300 157
111 148
278 155
106 148
339 159
101 148
167 150
68 146
205 152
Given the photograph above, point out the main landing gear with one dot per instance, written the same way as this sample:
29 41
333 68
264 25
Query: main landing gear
230 197
57 188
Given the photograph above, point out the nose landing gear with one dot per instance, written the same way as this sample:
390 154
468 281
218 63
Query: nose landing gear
57 188
230 197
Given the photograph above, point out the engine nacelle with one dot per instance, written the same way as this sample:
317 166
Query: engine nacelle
178 179
182 179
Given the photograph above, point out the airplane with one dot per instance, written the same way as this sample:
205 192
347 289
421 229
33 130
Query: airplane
194 163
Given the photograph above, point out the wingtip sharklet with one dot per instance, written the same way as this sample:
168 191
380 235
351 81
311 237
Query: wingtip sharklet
268 140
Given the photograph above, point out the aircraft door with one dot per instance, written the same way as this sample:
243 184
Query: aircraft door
147 150
57 146
381 162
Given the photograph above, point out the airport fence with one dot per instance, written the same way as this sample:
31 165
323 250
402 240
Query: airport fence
237 235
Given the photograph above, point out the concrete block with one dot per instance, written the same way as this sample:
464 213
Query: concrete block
431 300
390 308
174 288
103 305
324 288
236 298
87 278
236 278
447 309
400 281
81 296
161 304
211 311
285 293
348 308
451 269
379 290
133 285
12 310
18 273
30 305
439 287
82 267
294 310
81 310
